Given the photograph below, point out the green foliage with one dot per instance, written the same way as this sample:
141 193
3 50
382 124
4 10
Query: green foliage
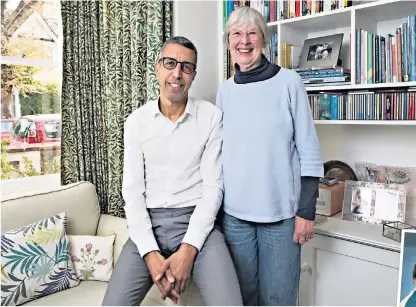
29 169
8 169
46 101
18 76
50 167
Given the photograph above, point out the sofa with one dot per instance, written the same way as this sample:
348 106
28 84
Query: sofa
80 202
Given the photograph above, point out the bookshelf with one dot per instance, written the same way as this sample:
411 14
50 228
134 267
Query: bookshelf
351 140
389 142
367 122
361 86
386 142
381 17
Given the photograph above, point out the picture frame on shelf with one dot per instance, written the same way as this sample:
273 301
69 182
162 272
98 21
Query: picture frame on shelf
374 203
397 174
321 51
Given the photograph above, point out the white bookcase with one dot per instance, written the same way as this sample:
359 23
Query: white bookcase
390 142
347 255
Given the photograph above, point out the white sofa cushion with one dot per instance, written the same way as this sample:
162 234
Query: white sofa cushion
35 261
112 224
78 200
92 256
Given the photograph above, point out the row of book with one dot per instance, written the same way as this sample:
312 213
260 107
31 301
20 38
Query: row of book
389 58
388 105
291 55
274 10
271 51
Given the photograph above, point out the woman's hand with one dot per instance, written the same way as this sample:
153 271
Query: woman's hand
304 230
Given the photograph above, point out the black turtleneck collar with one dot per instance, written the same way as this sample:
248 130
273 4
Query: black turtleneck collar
265 70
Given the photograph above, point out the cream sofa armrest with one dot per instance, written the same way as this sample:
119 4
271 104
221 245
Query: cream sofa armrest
108 224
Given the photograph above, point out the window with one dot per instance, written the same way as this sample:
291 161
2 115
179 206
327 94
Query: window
53 129
31 89
6 126
21 129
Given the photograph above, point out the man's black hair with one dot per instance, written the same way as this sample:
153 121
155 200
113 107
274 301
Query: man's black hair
184 42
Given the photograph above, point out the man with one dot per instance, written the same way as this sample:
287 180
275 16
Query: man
173 188
410 300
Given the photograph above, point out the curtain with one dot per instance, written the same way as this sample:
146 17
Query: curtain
109 51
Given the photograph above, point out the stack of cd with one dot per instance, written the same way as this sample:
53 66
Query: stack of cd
324 75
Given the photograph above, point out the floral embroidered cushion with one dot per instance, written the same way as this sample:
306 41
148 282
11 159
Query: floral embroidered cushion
92 256
35 261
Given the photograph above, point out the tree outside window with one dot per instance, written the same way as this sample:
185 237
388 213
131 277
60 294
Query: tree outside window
31 48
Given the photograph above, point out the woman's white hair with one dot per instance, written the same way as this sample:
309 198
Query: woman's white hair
242 17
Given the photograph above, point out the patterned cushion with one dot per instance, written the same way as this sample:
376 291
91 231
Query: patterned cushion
92 256
35 261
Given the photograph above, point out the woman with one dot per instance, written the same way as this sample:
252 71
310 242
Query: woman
271 162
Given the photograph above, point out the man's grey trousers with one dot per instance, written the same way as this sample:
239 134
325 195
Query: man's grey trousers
213 271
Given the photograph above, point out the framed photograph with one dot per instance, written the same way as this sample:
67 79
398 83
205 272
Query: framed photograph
406 295
374 203
383 173
321 51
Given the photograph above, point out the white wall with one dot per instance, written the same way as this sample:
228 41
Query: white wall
200 21
391 145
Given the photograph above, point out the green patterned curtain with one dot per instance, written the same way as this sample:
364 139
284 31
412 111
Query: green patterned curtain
109 51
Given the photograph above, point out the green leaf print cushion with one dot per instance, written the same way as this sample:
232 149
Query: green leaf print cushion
35 261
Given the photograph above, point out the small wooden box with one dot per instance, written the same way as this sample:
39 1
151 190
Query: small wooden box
330 199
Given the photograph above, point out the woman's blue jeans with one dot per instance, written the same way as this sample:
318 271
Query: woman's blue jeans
266 259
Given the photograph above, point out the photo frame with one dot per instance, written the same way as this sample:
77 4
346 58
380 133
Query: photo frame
407 269
385 173
321 51
374 203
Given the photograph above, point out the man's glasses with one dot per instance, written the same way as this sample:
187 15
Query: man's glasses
170 63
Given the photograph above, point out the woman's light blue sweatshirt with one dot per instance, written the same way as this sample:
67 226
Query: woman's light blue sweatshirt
269 142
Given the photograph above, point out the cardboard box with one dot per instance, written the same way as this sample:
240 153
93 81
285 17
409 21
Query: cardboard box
330 199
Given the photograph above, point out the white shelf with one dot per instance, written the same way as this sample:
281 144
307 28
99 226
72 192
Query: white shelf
363 233
381 10
359 86
367 122
318 21
387 10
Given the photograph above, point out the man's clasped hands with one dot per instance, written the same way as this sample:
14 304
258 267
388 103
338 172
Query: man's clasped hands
172 274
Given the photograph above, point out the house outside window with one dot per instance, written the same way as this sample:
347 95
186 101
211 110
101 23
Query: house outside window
31 78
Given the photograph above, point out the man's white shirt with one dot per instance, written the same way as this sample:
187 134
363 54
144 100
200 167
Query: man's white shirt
172 165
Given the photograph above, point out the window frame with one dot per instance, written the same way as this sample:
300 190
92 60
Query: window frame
48 181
